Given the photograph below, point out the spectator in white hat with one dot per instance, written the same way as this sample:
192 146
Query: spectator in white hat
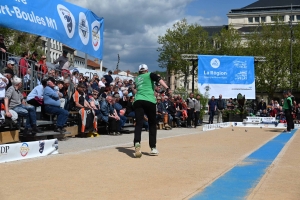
10 65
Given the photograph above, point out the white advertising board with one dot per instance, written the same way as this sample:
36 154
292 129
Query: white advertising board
26 150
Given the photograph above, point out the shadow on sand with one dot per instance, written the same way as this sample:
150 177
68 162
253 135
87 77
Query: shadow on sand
129 151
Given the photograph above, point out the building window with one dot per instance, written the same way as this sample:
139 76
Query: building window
263 19
250 19
281 18
256 19
292 18
273 18
298 18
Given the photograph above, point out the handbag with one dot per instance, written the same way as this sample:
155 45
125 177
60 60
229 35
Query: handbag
39 100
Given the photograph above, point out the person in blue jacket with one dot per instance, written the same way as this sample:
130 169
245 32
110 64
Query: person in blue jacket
52 105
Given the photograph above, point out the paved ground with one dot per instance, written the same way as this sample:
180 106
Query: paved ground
190 160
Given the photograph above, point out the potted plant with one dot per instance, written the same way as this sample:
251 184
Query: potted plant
225 115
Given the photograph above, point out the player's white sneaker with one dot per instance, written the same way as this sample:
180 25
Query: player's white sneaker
138 152
154 152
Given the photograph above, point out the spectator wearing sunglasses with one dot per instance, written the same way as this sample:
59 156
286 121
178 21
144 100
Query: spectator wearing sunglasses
10 65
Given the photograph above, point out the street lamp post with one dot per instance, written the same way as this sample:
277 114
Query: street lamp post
194 59
291 47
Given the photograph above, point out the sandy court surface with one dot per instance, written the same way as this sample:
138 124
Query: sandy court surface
282 179
185 166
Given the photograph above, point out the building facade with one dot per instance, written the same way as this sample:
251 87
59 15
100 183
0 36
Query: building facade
244 19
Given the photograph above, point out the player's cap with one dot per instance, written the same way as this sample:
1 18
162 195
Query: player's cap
143 67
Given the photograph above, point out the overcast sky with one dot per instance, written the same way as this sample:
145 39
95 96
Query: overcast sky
131 28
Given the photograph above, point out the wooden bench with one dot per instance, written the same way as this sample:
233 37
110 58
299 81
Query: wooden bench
9 136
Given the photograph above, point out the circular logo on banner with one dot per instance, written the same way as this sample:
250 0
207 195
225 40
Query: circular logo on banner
83 28
215 63
67 19
96 35
24 149
42 146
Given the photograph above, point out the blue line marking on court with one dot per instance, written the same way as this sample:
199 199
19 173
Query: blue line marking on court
237 182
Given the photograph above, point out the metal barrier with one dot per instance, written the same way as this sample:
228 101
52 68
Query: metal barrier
32 73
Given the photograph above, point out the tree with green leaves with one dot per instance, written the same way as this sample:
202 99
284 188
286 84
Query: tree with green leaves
273 43
18 42
182 38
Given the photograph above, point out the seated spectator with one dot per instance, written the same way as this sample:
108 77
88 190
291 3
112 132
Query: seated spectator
124 100
3 83
36 96
11 65
52 105
264 113
51 73
230 104
118 108
102 82
262 105
14 100
166 102
9 74
108 116
162 111
79 103
179 109
64 92
129 108
273 112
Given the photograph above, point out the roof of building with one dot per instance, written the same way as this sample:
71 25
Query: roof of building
273 3
214 29
269 5
95 65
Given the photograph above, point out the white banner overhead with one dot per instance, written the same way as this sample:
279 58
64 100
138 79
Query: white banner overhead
25 150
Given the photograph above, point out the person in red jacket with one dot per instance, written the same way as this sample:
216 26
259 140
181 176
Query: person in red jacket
23 64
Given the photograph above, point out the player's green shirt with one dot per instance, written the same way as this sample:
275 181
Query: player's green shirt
287 104
145 88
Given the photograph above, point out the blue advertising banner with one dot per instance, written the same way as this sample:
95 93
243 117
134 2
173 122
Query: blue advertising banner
72 25
226 75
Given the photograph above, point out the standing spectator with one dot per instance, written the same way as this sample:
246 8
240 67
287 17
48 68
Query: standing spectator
33 62
287 107
197 110
190 109
230 105
23 64
108 78
298 112
3 50
75 77
43 65
14 100
262 105
212 107
293 99
62 60
52 105
220 106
